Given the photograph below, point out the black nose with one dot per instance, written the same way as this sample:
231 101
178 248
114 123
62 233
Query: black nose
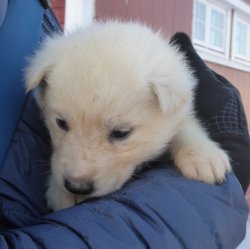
83 188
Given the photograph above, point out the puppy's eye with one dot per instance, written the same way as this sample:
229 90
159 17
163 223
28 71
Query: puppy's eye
62 124
120 134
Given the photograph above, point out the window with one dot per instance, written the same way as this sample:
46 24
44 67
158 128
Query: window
241 39
217 29
221 32
200 21
211 26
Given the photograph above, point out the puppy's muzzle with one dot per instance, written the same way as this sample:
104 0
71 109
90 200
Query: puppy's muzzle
83 188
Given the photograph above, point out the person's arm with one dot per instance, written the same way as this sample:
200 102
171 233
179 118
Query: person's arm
159 209
162 209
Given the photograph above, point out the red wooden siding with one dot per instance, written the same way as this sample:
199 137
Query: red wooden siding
168 15
59 9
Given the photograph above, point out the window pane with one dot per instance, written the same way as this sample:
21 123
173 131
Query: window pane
200 18
199 31
217 28
217 19
241 38
200 13
216 38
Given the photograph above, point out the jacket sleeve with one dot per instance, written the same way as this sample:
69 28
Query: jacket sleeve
160 209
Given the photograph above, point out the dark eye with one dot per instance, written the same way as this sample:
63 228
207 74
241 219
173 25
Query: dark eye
120 134
62 124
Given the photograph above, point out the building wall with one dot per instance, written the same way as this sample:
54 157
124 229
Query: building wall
59 9
164 14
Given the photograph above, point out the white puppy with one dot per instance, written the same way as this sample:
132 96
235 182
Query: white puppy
115 95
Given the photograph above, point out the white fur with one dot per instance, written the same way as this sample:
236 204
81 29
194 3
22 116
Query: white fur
121 75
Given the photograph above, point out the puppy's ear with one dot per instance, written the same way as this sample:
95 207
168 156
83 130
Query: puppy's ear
173 92
39 68
37 75
41 64
172 80
37 72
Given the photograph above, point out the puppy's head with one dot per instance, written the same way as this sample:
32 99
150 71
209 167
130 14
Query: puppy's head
112 97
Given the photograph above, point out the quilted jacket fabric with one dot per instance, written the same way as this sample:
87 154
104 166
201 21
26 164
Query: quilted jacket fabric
157 209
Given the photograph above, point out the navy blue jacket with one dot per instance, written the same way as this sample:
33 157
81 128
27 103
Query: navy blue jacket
158 209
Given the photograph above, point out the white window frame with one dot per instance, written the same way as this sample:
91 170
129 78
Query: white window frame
205 46
199 42
78 13
235 56
238 7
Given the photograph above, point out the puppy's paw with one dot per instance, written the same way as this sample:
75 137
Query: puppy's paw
206 162
59 199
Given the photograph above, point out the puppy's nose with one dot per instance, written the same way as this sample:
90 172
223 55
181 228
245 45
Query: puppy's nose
82 188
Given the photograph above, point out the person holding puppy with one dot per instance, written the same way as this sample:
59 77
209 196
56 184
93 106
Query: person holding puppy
158 208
